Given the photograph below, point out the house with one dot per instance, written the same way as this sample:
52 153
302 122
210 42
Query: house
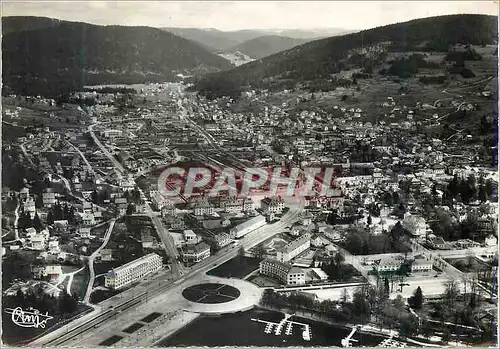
29 206
221 240
285 273
491 240
306 218
54 247
437 243
52 273
106 255
190 237
203 207
88 219
121 204
390 264
48 199
84 232
272 205
196 253
248 205
146 240
318 241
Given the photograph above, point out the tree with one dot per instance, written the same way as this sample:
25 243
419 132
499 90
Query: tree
260 251
37 223
408 326
369 220
344 296
130 209
417 299
386 285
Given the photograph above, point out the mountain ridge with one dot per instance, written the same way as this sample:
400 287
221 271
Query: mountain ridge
320 59
35 63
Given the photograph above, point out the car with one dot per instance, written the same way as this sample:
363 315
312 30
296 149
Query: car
436 275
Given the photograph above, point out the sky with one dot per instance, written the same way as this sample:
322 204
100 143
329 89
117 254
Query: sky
235 15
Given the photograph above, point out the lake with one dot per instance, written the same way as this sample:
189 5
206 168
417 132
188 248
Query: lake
239 330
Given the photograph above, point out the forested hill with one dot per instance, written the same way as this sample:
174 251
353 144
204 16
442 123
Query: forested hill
267 45
321 58
67 55
23 23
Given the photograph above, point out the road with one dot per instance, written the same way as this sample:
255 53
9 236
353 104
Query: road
90 284
120 169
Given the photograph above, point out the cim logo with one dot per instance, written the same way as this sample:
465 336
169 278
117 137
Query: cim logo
193 179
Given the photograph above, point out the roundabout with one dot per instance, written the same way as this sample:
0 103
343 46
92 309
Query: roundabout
211 293
214 295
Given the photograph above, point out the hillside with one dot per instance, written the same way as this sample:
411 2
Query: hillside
217 40
267 45
22 23
213 39
58 59
366 49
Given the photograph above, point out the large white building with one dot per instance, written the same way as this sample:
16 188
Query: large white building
133 271
294 248
284 272
248 226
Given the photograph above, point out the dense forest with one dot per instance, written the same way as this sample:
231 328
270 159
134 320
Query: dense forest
319 59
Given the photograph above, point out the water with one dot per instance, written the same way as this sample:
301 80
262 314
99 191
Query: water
239 330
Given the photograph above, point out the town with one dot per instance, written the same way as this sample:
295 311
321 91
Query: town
111 225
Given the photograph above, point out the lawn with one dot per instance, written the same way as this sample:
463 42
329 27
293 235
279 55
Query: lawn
97 296
79 284
468 265
238 267
264 281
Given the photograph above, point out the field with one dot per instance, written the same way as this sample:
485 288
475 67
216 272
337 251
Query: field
238 267
468 265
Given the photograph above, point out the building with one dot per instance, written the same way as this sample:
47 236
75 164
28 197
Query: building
285 273
491 240
272 205
233 206
421 265
49 199
248 205
390 264
221 240
190 238
133 271
196 253
202 208
306 218
248 226
294 248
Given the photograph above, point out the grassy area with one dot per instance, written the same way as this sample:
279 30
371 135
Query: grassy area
98 296
264 281
238 267
468 265
80 282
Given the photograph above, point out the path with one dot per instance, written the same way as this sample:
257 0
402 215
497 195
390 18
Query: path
91 261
